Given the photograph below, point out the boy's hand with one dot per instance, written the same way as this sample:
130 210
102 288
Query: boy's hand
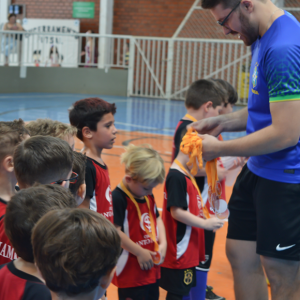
213 224
222 173
162 250
145 259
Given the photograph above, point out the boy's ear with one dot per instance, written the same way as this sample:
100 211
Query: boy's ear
106 279
86 132
81 191
128 178
8 163
207 106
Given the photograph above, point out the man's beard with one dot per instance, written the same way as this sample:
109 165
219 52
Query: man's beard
248 31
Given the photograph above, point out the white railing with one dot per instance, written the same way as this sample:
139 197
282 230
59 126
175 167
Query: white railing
63 49
165 68
157 67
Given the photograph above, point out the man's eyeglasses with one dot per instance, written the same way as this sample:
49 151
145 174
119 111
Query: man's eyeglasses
73 179
225 20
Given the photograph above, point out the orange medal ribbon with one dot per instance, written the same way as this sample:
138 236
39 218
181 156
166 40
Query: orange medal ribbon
191 146
157 258
205 210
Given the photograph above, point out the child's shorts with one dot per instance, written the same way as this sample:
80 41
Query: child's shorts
144 292
178 281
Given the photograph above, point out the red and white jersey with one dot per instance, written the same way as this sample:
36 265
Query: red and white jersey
186 246
7 252
129 272
98 188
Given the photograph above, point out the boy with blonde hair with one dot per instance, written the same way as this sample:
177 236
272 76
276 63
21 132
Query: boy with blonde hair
94 120
48 127
140 227
76 251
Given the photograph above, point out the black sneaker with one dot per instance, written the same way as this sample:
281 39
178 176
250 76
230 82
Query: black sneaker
210 295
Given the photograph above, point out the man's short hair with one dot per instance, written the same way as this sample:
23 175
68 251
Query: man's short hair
202 91
88 112
209 4
74 248
14 126
26 207
231 93
50 127
79 165
43 159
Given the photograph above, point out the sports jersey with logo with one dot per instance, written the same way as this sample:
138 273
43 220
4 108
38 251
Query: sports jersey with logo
129 272
275 77
98 188
186 246
17 285
7 252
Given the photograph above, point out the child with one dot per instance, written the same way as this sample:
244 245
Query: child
231 96
19 279
43 159
141 228
7 188
78 188
76 251
204 99
47 127
182 215
9 139
15 125
94 120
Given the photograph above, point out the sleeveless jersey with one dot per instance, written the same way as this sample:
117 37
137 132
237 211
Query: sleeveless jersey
129 272
7 252
98 188
186 246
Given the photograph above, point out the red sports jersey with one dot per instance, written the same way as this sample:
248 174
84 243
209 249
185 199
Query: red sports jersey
186 246
98 188
129 272
7 252
17 285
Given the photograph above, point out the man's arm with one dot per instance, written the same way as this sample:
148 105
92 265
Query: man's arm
236 121
284 132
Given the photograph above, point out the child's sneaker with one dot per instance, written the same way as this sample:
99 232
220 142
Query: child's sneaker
210 295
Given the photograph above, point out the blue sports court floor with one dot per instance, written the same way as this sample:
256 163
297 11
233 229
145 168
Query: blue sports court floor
133 114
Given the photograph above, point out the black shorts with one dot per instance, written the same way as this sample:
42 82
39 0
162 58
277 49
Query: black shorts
209 237
267 212
144 292
178 281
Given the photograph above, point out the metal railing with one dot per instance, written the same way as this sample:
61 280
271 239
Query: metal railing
157 67
63 49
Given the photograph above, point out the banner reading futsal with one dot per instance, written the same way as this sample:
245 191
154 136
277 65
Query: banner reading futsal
54 49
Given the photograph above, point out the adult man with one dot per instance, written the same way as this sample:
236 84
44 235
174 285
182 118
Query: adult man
264 224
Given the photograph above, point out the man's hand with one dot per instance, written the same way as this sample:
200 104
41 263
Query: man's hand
210 126
210 147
